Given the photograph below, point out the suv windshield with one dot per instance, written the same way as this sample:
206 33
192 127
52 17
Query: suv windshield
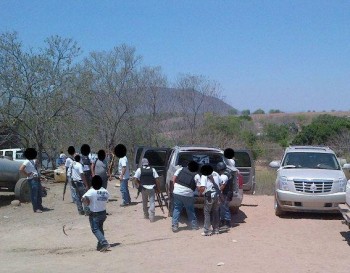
311 160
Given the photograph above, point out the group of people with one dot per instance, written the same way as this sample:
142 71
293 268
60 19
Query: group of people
88 178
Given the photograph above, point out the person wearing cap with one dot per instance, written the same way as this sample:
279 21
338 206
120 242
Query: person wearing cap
30 169
148 179
185 183
210 187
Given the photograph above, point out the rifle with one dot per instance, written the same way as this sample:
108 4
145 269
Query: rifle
110 167
160 202
65 185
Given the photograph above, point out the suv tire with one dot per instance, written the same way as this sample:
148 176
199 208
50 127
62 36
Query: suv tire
278 211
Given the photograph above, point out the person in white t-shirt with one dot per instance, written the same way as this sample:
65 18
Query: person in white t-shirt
185 181
96 198
69 161
30 169
124 173
210 186
147 179
77 175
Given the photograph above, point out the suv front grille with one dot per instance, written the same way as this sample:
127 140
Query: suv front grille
313 186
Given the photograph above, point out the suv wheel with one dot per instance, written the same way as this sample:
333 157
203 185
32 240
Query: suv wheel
278 210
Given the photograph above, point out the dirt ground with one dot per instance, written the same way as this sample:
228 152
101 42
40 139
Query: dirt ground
258 242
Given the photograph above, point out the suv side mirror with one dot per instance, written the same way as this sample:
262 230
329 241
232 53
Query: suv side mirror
275 164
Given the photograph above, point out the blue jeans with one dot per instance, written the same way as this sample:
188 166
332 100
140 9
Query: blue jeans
96 220
179 203
35 193
124 189
225 213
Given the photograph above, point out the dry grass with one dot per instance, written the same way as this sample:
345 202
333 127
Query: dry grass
265 181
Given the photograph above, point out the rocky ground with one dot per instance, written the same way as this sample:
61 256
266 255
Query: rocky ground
258 242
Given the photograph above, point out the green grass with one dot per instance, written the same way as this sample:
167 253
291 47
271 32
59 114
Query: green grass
265 181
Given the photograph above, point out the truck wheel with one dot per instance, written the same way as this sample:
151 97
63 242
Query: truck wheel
22 190
278 211
234 210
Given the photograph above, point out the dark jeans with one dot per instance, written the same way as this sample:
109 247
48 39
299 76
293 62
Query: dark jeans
35 193
96 223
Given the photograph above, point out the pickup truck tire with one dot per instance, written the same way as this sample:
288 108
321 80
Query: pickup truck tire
170 201
22 190
234 210
278 211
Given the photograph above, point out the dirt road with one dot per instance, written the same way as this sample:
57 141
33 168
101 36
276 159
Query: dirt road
259 242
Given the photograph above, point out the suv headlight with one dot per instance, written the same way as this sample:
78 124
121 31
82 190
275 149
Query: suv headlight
283 183
342 184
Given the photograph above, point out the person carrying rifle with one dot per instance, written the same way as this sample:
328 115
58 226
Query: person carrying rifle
148 179
185 181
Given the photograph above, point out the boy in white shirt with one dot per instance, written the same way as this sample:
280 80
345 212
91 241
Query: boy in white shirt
210 186
96 198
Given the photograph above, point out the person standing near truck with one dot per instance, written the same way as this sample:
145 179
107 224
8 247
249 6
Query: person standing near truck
147 179
210 183
30 169
184 181
124 173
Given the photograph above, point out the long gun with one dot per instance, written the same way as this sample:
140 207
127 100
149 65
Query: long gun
110 167
65 185
160 202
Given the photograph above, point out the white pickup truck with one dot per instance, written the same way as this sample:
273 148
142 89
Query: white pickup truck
345 208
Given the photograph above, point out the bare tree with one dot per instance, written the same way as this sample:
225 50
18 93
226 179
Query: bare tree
151 82
33 86
194 90
103 93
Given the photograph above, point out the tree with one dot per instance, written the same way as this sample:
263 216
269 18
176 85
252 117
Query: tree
321 130
258 111
245 112
275 111
194 90
34 87
106 81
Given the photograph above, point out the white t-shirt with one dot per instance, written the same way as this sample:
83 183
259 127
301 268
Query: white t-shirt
98 199
138 175
224 179
30 168
182 190
206 182
76 169
123 162
233 162
68 163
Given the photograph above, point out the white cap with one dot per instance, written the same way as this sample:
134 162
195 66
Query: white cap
144 161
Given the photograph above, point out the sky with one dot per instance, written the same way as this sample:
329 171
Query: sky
293 56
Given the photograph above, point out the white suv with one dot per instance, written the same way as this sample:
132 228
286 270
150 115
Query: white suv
310 179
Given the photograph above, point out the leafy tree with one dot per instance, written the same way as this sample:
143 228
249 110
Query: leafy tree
245 112
258 111
321 129
275 111
233 112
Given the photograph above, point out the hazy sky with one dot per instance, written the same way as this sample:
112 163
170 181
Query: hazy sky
288 55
